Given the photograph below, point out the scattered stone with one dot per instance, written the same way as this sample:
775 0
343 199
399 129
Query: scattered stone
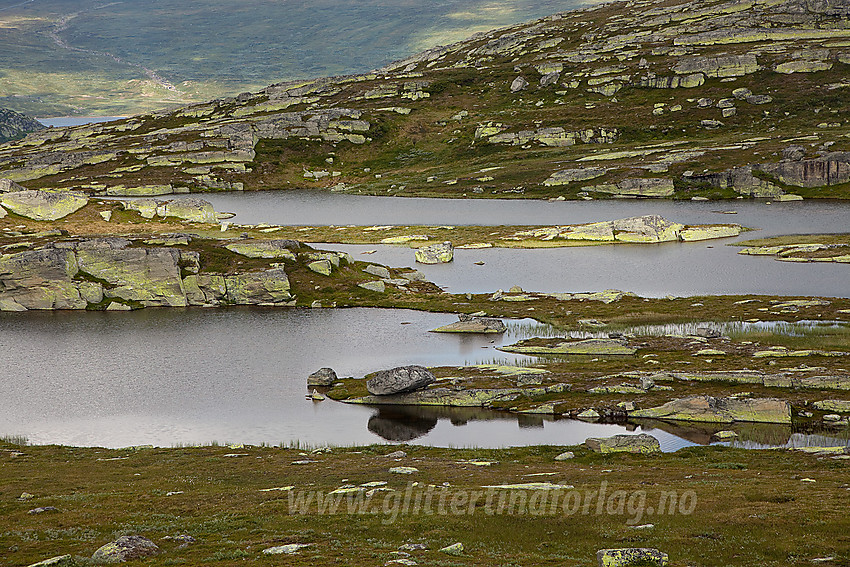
43 509
399 380
435 253
453 549
322 377
413 547
641 443
631 556
566 455
396 455
322 267
288 549
403 470
375 285
126 548
519 84
379 271
58 561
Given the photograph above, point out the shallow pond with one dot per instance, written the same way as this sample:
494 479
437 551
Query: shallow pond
188 376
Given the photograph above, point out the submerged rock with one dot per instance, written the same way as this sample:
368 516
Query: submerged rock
399 380
322 377
435 253
721 410
126 548
472 324
43 205
641 443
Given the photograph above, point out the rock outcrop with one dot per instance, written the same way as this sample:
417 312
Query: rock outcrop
111 273
641 443
43 205
721 410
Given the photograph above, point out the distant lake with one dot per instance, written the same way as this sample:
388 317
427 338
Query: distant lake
650 270
77 120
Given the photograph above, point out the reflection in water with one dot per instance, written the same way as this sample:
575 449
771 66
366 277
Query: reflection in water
397 425
401 424
750 435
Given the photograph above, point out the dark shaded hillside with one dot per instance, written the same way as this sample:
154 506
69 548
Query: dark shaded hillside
14 125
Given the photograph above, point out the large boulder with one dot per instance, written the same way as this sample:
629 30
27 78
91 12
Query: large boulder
721 410
322 377
435 253
126 548
399 380
43 205
631 556
190 209
641 443
472 324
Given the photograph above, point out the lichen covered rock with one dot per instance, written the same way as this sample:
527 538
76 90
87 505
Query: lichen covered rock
399 380
641 443
126 548
721 410
43 205
435 253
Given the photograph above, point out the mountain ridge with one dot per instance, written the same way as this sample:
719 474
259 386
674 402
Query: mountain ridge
641 99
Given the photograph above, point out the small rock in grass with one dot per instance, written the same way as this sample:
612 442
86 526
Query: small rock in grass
43 509
288 549
631 556
453 549
565 456
404 470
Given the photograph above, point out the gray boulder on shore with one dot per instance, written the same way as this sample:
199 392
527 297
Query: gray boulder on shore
322 377
399 380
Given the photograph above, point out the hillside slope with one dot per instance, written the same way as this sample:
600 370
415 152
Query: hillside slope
656 98
14 125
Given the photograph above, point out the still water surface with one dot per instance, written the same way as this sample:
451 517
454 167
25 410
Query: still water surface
650 270
172 376
167 377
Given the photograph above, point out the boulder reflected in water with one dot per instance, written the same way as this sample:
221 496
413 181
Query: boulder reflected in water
398 425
